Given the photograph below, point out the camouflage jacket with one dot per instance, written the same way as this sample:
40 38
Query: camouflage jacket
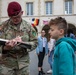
24 29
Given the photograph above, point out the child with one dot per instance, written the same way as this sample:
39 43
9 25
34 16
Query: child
41 50
64 58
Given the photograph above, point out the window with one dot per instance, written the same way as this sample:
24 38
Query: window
68 7
29 8
48 7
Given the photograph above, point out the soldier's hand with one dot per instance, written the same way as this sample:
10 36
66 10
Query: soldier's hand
10 44
7 48
18 39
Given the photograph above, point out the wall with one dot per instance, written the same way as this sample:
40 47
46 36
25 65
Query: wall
39 11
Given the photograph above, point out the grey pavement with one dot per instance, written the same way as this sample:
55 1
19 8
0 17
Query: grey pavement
34 61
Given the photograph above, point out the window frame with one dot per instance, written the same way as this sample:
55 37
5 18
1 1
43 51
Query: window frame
68 13
50 13
29 7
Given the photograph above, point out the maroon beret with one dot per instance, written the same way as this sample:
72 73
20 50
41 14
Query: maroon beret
14 8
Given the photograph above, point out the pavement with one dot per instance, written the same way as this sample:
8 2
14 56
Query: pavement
33 68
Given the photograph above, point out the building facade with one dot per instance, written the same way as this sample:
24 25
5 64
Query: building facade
44 10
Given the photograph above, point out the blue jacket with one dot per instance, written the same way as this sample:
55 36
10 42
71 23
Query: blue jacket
40 45
64 57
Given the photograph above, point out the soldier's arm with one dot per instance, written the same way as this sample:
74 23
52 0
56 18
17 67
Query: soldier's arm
2 26
32 38
31 34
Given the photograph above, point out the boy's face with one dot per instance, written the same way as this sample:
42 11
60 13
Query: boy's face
55 32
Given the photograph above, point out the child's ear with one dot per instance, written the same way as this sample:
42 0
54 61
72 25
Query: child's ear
61 31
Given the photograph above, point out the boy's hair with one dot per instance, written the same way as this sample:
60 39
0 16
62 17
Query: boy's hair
60 22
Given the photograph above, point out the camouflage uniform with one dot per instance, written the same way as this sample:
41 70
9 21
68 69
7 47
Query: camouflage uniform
16 61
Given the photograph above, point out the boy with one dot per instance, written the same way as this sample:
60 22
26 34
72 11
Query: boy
64 58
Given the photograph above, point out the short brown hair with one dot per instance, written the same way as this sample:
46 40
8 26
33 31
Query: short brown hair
60 22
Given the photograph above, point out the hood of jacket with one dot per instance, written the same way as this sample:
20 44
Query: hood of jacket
72 42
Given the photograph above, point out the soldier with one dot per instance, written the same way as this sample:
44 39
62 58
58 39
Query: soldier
15 59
